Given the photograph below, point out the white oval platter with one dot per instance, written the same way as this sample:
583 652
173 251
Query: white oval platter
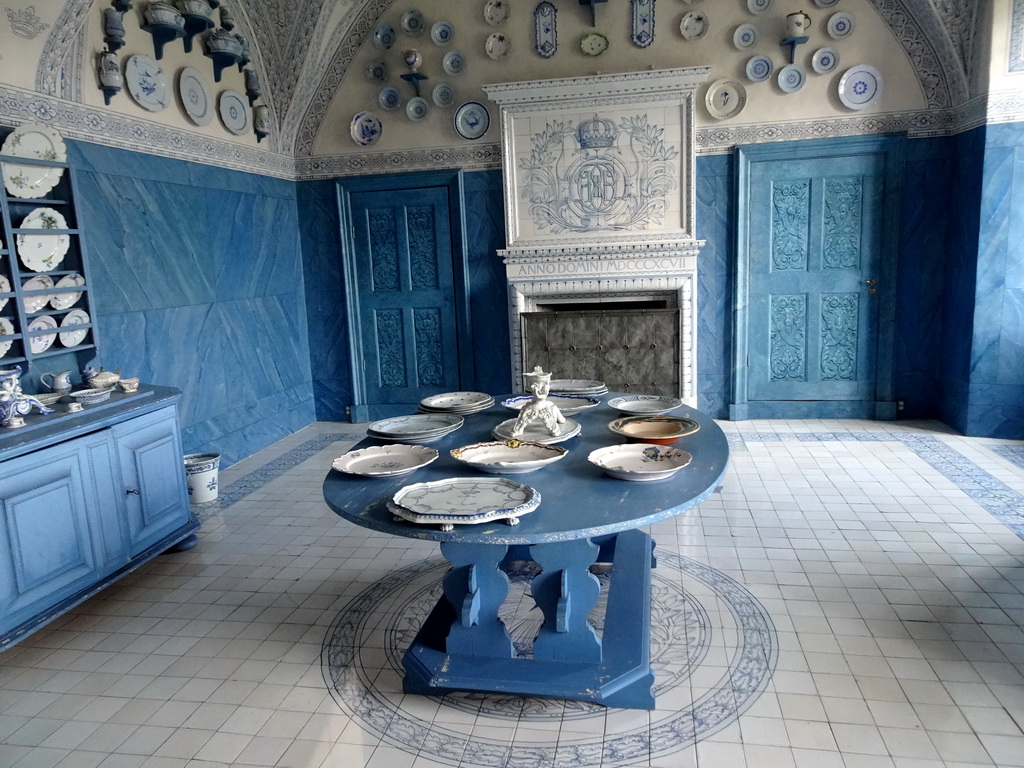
464 501
385 460
508 457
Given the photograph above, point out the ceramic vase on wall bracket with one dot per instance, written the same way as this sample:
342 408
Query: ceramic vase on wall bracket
109 71
223 48
113 29
252 86
261 124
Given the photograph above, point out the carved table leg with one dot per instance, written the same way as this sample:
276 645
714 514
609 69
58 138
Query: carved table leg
566 591
476 588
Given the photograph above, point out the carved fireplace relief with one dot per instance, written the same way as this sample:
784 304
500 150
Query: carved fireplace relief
599 217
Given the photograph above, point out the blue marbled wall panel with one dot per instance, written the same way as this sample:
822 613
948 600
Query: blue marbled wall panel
715 196
197 284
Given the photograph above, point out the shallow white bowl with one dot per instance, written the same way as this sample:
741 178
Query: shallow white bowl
508 457
640 462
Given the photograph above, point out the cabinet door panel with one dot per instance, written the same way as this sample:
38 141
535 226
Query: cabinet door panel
152 471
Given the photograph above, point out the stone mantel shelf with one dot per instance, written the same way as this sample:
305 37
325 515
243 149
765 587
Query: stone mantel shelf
598 89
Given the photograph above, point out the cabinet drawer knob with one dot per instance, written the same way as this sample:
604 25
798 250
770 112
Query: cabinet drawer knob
133 492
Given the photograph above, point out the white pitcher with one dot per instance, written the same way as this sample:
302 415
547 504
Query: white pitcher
59 382
797 24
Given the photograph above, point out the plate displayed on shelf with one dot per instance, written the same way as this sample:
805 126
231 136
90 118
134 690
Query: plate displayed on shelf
536 432
639 462
508 457
825 60
385 460
36 141
693 26
6 329
5 287
234 112
146 83
792 78
457 402
376 71
594 44
860 86
496 12
497 47
384 37
39 344
389 98
195 96
365 129
839 25
644 405
72 338
412 22
33 304
68 300
759 6
443 95
464 501
453 63
759 68
745 36
725 98
417 108
567 404
442 33
472 120
41 253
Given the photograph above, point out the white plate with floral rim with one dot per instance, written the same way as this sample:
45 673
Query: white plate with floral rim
496 12
234 112
39 344
195 95
40 142
644 405
508 457
415 425
5 287
694 26
567 404
536 432
640 462
578 387
34 303
6 330
146 83
74 336
464 501
385 460
69 299
41 253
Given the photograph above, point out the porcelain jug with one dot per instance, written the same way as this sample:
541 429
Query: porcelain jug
59 382
797 24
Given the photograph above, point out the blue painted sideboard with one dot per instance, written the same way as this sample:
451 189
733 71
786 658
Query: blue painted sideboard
86 498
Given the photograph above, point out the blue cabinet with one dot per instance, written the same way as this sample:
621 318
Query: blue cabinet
83 501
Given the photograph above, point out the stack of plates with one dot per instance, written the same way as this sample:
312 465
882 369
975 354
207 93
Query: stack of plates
578 387
417 428
461 403
567 404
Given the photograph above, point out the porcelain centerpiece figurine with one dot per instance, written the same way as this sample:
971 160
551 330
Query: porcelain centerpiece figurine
14 404
540 409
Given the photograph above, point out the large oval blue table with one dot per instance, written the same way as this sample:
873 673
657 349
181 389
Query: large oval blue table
585 517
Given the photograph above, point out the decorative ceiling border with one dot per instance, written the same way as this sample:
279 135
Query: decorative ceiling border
1016 63
476 157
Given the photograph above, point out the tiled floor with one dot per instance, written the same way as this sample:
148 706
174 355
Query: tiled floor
851 597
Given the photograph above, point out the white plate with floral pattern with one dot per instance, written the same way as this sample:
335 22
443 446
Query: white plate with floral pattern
40 142
567 404
72 337
508 457
457 402
496 12
5 287
146 83
69 299
41 253
41 343
6 329
640 462
385 460
644 405
36 302
464 501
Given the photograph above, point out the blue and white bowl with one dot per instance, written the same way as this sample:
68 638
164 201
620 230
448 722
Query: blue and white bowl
389 98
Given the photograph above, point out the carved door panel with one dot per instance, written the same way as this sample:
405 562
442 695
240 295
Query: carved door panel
404 287
815 239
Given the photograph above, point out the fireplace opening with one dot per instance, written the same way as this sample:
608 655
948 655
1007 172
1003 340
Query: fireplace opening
602 305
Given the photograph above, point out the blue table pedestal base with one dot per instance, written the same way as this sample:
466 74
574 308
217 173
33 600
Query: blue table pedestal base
464 646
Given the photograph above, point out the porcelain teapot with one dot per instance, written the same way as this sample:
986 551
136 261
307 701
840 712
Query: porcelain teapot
101 379
59 382
797 24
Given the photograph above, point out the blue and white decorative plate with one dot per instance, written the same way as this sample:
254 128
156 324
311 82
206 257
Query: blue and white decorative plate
417 108
839 25
566 404
643 23
146 83
442 33
825 60
644 405
759 68
860 86
384 37
195 96
365 129
745 36
412 22
759 6
453 63
464 500
545 20
443 95
472 120
376 71
825 3
725 98
389 98
792 78
234 112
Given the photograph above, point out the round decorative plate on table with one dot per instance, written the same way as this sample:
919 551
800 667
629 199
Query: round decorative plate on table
443 95
365 129
417 108
792 78
839 25
644 405
389 98
234 112
578 387
694 26
33 304
195 96
67 300
745 36
412 22
74 337
472 120
457 402
759 68
860 86
442 33
385 460
508 457
41 253
725 98
6 329
496 12
146 83
825 60
465 501
39 344
639 462
497 47
653 429
36 141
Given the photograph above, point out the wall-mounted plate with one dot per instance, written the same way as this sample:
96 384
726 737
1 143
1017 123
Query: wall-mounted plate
594 44
234 112
384 37
694 25
472 120
412 22
745 36
453 63
498 46
759 68
443 95
643 23
146 83
376 72
825 60
417 108
792 78
39 344
860 86
365 129
545 19
72 337
442 33
725 98
825 3
759 6
496 12
840 25
195 96
389 98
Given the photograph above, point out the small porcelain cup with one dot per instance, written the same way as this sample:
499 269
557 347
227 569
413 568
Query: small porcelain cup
797 24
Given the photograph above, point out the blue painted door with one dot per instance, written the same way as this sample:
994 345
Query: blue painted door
815 242
405 293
